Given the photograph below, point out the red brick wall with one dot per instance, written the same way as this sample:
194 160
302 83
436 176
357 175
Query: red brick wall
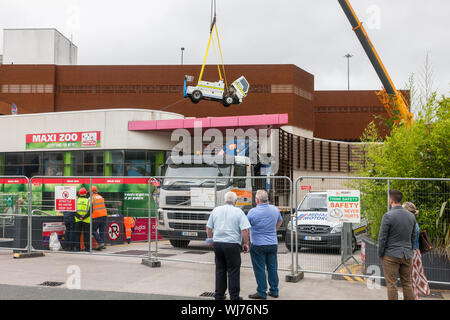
343 115
336 115
22 79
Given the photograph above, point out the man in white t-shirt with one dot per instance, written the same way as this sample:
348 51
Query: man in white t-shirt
228 226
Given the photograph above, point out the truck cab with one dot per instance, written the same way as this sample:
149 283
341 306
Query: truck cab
191 191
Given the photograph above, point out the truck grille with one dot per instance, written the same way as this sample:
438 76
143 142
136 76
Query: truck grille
314 229
187 226
177 200
187 216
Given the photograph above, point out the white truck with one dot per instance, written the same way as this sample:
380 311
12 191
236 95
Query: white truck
185 203
216 91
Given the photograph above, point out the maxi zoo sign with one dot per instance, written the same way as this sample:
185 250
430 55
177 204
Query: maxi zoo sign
63 140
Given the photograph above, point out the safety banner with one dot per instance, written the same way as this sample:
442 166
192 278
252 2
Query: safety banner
63 140
344 206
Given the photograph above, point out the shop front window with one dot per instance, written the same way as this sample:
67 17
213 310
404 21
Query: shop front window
135 163
53 163
32 164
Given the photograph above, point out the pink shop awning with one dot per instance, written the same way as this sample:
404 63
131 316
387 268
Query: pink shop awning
253 121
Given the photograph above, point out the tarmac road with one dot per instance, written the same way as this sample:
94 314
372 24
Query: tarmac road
11 292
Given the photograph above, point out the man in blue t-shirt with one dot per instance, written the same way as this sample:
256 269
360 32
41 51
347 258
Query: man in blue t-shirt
265 220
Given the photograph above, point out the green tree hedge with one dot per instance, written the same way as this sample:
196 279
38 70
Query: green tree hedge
420 151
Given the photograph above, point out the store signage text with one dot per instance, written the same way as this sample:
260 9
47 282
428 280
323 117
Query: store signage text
63 140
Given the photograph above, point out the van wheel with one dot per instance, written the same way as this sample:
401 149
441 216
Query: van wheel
179 243
196 96
227 101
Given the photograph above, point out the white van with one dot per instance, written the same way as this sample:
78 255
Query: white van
313 228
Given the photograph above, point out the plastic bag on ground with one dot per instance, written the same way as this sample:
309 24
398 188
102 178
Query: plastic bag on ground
54 243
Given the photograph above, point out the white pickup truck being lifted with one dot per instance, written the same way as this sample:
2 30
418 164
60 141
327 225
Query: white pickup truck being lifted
215 91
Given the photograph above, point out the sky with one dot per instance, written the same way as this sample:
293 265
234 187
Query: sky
314 35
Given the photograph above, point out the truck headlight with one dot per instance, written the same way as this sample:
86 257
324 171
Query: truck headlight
336 229
289 226
161 216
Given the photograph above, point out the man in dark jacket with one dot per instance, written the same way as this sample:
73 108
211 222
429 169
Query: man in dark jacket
395 246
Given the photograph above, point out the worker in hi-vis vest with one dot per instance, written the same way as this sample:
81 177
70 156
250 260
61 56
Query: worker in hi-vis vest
82 220
129 224
99 215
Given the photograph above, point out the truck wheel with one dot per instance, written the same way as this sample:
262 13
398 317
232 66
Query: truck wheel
179 243
354 244
196 96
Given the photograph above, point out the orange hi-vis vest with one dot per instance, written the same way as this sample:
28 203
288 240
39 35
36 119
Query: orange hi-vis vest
98 206
129 224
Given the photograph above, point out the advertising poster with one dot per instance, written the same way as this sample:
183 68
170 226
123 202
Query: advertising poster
65 198
141 230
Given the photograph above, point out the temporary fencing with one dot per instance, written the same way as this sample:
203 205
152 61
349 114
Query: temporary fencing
36 215
125 199
184 205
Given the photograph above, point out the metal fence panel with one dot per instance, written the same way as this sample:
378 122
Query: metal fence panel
185 203
316 239
124 197
14 211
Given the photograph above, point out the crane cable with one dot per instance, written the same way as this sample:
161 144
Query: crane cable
213 28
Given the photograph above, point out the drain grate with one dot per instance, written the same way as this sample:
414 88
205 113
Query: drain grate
207 294
51 283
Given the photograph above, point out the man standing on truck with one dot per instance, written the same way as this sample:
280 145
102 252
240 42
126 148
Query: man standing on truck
228 226
265 220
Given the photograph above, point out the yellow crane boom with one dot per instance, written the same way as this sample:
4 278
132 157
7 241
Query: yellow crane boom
392 99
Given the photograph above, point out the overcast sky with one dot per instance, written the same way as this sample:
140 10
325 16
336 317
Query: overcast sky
314 35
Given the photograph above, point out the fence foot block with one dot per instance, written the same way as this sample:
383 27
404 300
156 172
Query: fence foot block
151 263
295 277
22 255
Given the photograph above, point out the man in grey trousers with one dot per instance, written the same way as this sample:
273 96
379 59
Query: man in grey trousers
395 246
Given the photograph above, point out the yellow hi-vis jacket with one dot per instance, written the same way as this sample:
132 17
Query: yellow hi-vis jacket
83 209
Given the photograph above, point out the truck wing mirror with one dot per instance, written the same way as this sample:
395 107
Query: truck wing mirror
160 171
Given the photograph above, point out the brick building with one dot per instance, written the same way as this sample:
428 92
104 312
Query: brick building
335 115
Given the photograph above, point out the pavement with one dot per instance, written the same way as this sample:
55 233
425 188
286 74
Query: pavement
118 277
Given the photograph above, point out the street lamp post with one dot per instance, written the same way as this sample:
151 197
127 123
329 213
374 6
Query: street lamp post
348 56
182 55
